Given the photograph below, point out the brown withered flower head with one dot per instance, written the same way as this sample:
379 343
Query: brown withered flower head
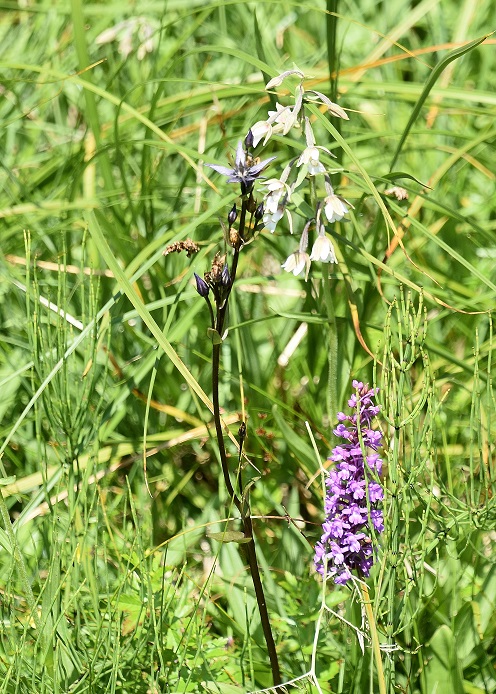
188 246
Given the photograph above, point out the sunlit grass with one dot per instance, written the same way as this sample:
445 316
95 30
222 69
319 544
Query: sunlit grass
111 580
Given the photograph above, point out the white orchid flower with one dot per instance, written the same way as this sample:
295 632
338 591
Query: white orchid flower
310 158
276 188
334 208
262 129
297 262
323 249
270 219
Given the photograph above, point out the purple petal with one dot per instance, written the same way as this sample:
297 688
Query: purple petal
352 497
258 168
221 169
240 155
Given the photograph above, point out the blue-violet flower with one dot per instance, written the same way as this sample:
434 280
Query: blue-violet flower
353 497
245 170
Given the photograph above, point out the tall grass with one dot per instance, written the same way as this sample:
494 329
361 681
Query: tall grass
114 576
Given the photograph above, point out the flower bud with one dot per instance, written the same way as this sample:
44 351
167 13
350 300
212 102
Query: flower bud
259 212
201 286
249 139
225 277
242 432
233 215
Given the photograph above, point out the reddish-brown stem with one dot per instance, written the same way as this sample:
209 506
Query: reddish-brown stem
242 504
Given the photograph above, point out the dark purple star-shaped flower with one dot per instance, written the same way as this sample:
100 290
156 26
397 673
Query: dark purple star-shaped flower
245 171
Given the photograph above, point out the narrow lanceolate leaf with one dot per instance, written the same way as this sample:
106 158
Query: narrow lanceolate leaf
433 77
261 54
230 536
443 674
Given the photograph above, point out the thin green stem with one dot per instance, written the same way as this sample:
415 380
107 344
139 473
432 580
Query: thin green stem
19 560
374 636
332 352
78 26
333 60
331 33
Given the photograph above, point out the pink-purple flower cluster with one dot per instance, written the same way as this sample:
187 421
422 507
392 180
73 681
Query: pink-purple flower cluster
354 496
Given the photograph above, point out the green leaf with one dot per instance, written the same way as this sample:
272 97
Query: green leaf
443 673
472 689
394 175
247 488
433 77
220 688
126 287
214 336
261 54
129 602
301 450
5 541
230 536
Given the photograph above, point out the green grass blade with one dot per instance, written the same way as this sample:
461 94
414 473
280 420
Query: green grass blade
431 81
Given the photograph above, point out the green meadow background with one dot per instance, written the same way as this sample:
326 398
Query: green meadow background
110 579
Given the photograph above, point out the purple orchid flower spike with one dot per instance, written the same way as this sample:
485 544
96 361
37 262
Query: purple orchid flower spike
354 497
245 170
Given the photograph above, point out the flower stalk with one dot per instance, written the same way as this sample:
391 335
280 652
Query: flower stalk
243 222
374 637
220 281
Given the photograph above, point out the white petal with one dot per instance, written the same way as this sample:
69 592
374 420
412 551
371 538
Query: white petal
323 250
315 168
300 265
261 129
296 263
107 35
273 184
270 220
334 208
271 202
290 263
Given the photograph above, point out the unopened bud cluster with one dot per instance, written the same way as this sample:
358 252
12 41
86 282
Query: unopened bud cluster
217 279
